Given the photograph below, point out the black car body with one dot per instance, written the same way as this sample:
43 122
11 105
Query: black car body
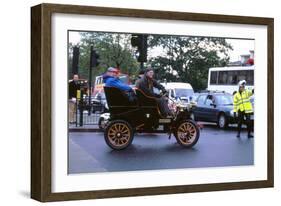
214 107
127 117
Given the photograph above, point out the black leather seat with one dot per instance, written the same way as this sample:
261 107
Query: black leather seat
118 101
143 111
148 103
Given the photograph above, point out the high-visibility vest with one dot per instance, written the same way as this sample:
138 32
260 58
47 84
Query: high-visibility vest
242 101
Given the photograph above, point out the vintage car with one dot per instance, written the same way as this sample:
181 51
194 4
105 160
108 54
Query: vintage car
143 115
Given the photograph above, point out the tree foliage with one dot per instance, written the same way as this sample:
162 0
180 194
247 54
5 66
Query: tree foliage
174 58
187 59
114 50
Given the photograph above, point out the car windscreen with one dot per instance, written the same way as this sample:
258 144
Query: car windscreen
181 92
224 99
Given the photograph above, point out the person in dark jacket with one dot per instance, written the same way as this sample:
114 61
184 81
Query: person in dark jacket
111 80
73 87
146 84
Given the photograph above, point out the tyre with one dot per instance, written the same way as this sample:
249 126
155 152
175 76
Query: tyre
222 121
187 133
118 134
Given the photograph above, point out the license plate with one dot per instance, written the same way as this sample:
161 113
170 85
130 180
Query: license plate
164 120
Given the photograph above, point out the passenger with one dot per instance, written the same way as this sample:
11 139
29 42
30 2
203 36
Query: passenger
111 79
146 84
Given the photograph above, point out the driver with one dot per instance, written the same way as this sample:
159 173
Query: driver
146 84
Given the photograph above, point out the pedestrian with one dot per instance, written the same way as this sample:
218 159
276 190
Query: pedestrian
73 87
147 83
243 107
111 79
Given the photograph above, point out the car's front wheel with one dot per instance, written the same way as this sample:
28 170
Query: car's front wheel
187 133
222 121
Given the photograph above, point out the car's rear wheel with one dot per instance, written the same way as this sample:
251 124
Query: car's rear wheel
222 121
118 134
187 133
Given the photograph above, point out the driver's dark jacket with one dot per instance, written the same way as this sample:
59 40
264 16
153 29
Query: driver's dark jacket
146 85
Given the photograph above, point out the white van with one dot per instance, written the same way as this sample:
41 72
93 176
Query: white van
226 78
179 90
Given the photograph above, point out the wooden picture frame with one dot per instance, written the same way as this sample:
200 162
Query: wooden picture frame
41 118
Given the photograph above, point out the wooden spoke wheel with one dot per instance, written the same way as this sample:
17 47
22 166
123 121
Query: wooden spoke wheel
118 134
187 133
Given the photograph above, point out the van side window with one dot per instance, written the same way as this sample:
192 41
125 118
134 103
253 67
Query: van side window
214 77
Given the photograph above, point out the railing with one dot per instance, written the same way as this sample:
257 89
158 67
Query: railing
81 114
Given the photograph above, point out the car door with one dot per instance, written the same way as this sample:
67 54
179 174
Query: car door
210 108
199 111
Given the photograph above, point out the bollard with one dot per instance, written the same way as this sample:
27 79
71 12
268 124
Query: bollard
79 97
81 113
76 111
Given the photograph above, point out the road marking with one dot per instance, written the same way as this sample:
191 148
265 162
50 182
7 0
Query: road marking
80 161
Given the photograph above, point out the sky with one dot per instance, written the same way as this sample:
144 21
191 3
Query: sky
240 46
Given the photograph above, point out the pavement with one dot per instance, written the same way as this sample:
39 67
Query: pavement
89 153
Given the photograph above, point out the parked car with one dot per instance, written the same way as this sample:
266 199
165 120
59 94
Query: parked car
96 104
103 120
214 107
99 103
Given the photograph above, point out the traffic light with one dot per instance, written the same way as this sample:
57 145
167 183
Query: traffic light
140 41
94 58
75 60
